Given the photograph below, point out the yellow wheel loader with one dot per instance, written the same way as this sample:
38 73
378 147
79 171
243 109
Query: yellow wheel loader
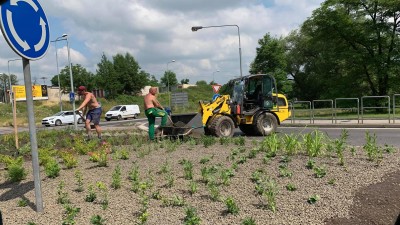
253 105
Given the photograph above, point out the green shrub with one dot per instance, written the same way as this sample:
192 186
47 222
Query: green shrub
52 169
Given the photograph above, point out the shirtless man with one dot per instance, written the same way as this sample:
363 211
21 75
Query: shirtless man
92 109
153 109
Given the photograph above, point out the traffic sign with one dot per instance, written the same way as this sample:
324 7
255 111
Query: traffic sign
216 88
25 27
71 96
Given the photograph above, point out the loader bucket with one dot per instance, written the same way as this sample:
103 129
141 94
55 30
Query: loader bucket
184 124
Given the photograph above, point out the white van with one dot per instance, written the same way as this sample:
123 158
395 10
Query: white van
123 112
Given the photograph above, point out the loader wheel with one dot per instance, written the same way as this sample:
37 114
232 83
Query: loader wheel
222 126
266 124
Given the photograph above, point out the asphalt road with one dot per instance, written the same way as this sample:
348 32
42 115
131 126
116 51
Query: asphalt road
388 136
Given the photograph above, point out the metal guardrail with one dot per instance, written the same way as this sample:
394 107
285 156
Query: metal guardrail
374 107
358 107
293 117
311 107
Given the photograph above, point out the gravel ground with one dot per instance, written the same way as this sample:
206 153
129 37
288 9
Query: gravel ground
124 206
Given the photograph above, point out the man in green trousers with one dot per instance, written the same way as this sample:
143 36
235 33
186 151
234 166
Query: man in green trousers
154 109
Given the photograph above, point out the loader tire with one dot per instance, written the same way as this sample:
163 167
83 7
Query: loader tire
265 124
222 126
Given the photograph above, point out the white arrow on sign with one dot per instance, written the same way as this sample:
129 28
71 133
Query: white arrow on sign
22 43
30 2
40 44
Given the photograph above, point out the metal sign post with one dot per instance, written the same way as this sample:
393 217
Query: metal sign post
32 136
25 28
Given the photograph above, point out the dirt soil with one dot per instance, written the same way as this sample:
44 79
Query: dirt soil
361 192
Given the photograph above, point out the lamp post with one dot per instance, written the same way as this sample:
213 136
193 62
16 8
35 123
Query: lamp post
213 75
72 94
167 76
196 28
58 72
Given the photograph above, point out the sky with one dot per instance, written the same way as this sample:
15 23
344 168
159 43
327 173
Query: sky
157 33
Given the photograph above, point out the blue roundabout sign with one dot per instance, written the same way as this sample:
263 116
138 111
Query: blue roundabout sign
25 27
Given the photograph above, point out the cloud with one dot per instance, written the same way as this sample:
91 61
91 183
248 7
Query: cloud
157 31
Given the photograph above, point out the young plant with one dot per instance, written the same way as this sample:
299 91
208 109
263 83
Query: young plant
69 160
310 164
226 175
206 159
193 187
271 145
62 195
313 199
79 181
213 189
374 153
169 177
208 141
314 143
103 189
248 221
52 168
70 214
91 196
291 187
15 170
332 181
231 206
241 141
191 217
97 220
165 168
22 203
291 144
319 172
340 145
284 171
116 178
188 169
224 141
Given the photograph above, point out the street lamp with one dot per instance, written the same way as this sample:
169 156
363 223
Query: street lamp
196 28
167 76
213 75
72 94
58 72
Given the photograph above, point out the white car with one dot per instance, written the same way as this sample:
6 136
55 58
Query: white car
63 117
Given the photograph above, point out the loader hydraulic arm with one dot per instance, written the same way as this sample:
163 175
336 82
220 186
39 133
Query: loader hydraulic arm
219 106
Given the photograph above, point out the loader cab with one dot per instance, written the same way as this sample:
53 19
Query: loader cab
257 92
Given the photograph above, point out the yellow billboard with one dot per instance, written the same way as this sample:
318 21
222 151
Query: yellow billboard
39 92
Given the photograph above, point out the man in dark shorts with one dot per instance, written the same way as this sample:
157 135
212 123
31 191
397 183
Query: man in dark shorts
92 109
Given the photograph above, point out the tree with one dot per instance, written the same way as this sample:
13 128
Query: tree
153 81
80 77
169 79
201 83
270 59
185 81
348 45
121 76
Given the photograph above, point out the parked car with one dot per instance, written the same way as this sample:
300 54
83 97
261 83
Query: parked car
63 117
123 112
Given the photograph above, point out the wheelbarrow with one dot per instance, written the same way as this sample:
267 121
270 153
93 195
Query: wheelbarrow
180 125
